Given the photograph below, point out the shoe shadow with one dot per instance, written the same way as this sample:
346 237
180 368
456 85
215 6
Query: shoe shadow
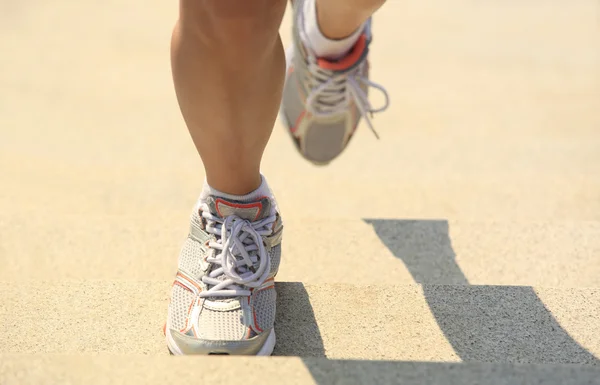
296 327
500 324
503 334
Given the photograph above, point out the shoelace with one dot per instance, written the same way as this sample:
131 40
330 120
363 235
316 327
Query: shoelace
335 91
240 247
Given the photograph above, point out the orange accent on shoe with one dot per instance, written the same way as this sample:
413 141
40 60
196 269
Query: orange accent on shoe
265 288
239 206
182 286
189 280
164 328
348 60
254 289
187 321
258 329
297 123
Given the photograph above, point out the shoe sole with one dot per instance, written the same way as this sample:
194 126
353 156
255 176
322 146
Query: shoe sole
266 350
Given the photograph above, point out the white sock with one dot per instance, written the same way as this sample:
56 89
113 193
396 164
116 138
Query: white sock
321 45
262 191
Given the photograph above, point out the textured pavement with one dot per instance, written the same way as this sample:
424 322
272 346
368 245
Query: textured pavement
461 248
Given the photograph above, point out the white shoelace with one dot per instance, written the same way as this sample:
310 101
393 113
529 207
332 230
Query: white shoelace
334 91
241 246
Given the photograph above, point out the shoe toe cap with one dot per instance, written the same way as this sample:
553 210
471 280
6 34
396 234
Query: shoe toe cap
188 345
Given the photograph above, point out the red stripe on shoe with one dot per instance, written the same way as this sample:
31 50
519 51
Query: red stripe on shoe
189 280
258 329
294 128
253 205
182 286
347 61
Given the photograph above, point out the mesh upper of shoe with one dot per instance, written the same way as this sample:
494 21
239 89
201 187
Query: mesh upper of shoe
221 325
188 258
218 324
264 303
181 299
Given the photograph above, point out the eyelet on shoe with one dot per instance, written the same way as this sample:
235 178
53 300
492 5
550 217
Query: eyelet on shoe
202 219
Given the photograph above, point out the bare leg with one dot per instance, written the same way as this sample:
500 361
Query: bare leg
340 18
228 68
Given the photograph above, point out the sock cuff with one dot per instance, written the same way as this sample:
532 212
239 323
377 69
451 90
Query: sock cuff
262 191
321 45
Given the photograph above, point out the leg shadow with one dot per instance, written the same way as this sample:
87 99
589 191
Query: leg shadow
299 335
295 324
502 324
349 372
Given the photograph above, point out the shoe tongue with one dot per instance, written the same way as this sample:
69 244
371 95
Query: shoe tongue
253 210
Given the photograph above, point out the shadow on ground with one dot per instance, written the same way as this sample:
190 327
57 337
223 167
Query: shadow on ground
349 372
502 324
295 323
503 334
